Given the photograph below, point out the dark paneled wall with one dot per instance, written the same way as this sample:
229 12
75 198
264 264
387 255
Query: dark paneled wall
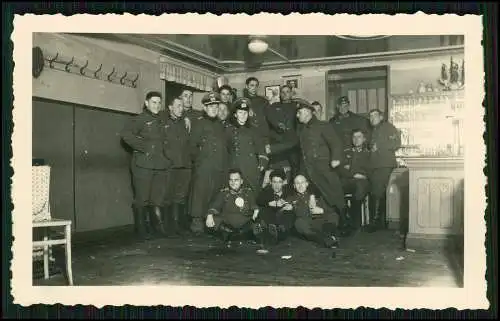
90 178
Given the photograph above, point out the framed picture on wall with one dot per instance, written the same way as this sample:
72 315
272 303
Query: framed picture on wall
273 93
293 81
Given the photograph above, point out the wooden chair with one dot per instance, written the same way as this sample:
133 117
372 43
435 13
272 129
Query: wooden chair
40 176
365 212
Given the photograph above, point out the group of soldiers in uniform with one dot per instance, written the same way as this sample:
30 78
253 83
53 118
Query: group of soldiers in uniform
242 166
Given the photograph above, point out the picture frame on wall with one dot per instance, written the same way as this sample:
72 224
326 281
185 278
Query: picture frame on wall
273 93
293 81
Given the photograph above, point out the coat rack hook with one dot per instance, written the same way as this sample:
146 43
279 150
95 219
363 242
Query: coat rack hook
122 79
135 80
98 69
111 74
69 64
82 70
51 61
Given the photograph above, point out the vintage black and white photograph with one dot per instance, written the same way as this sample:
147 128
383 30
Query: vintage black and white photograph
235 160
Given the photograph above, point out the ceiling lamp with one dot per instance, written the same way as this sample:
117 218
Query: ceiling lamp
257 45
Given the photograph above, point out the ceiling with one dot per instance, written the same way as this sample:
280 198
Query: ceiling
229 53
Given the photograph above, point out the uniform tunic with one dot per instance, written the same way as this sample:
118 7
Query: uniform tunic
357 161
208 146
257 115
383 160
345 124
179 175
282 120
275 214
320 145
246 153
145 134
306 223
234 208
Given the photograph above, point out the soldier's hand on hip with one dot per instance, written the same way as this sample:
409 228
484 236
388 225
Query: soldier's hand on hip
374 148
334 163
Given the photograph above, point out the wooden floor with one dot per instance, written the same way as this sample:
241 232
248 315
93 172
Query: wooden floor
361 260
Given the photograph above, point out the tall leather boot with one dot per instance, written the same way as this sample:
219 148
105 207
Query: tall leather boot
143 223
356 214
177 219
345 224
137 224
375 223
159 215
226 232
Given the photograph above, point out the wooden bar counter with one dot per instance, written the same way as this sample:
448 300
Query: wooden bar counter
436 203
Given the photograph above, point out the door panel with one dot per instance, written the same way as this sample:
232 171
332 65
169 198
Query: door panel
103 192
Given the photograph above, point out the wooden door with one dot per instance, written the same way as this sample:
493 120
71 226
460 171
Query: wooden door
366 89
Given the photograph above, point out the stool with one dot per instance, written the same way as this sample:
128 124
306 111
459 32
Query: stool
365 212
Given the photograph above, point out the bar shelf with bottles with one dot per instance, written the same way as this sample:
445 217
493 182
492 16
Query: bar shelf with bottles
430 123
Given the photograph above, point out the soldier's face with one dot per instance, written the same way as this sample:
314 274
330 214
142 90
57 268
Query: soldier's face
304 115
277 184
222 113
176 108
286 93
317 110
300 184
343 108
212 110
187 99
241 116
153 104
252 87
235 181
375 118
225 96
358 139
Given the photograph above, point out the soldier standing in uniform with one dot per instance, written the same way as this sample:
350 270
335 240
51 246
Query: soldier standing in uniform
272 200
354 175
258 110
315 220
346 121
385 141
234 210
179 175
322 153
283 145
145 134
208 145
246 150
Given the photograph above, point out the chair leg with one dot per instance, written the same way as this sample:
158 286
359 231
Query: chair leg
69 272
45 256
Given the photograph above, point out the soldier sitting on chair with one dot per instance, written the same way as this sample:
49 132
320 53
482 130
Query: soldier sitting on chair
315 220
234 210
272 200
354 175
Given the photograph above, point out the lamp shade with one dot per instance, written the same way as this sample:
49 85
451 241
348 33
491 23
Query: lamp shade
257 46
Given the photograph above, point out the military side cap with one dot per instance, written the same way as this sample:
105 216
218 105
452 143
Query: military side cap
343 100
241 104
211 98
302 103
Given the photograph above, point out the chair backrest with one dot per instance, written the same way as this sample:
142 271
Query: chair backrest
40 187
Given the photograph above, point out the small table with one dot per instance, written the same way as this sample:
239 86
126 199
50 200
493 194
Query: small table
46 243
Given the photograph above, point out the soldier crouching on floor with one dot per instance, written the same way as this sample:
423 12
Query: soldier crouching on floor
234 210
145 134
273 206
354 175
315 220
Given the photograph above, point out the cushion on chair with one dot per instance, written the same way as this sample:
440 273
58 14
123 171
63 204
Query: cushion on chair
40 187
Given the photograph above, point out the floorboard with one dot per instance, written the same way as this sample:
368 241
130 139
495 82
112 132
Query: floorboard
362 260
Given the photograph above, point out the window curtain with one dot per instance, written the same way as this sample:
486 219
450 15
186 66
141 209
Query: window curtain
175 73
